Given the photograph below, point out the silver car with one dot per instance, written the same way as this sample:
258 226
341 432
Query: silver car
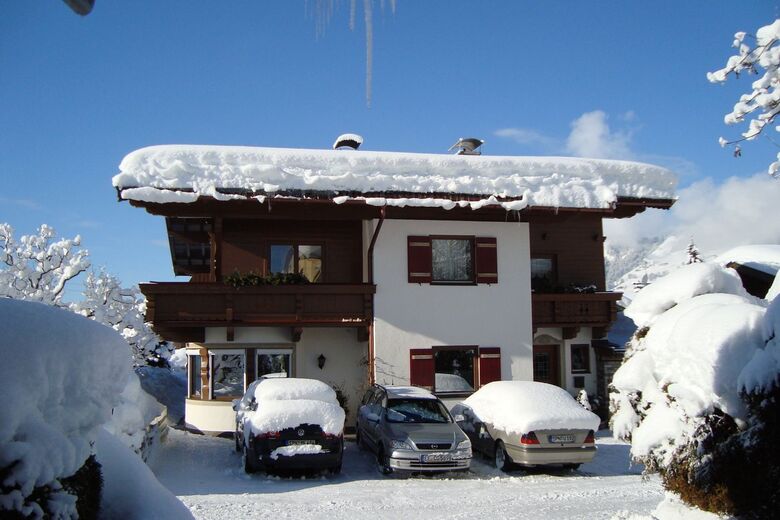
410 430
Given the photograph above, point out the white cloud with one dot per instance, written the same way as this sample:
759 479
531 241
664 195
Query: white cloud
591 137
735 212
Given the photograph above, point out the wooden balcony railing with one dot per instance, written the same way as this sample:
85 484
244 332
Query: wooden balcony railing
172 305
574 310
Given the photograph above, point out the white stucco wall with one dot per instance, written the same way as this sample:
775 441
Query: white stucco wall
422 315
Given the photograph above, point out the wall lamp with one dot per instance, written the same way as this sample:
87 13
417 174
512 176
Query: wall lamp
321 361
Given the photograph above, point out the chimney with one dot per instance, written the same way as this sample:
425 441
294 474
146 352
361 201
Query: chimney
467 146
352 141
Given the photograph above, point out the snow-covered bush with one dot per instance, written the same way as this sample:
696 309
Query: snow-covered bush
122 308
697 393
36 267
61 375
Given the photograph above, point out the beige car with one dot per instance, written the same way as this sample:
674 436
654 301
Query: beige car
527 424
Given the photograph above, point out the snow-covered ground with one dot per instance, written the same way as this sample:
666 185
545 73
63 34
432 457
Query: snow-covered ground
206 474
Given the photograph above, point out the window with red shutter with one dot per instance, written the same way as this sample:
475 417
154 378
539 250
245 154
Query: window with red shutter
489 365
420 260
421 371
486 260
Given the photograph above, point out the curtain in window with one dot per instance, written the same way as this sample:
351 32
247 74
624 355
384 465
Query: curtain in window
452 260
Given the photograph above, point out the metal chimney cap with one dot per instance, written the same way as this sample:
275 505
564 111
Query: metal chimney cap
348 141
467 145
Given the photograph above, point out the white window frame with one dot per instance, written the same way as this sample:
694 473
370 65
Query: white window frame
219 352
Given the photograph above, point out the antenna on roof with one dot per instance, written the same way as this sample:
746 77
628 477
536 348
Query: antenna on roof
348 141
468 146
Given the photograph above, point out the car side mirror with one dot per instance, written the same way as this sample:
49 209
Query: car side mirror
459 418
235 404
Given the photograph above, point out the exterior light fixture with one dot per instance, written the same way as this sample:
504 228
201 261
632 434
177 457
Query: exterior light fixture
321 361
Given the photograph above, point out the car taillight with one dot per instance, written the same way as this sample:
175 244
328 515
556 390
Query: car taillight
590 438
269 435
529 438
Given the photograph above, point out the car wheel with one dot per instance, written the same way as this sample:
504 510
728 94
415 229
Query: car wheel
383 462
248 458
500 458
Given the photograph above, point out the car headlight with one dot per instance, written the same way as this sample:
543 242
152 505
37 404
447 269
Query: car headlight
400 445
462 445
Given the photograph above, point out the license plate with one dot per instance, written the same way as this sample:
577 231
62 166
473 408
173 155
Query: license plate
561 439
437 457
298 443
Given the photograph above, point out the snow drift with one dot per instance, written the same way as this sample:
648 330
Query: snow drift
523 406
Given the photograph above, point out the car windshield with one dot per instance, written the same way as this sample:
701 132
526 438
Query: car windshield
416 411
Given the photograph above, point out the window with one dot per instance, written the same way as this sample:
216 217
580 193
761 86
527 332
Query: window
297 258
227 374
543 273
580 358
453 260
193 365
274 363
454 368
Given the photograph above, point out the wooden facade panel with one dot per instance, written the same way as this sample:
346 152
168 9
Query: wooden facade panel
573 310
576 243
247 244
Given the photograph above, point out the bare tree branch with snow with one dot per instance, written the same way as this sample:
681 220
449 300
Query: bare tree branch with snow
762 104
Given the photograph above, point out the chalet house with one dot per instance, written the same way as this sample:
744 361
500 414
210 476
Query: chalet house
354 267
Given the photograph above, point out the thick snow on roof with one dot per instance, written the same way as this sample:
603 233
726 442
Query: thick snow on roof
762 257
523 406
159 173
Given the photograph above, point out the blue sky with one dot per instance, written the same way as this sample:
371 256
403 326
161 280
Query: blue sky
77 94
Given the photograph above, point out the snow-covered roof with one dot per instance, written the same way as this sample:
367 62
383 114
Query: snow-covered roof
762 257
182 173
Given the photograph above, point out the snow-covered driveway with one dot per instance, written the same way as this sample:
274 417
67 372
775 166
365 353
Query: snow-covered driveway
205 473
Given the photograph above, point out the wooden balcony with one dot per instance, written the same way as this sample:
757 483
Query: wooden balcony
180 310
574 310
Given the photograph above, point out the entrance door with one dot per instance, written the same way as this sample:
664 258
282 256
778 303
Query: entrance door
547 364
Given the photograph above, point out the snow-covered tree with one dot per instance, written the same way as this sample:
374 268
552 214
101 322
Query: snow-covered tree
582 398
122 308
694 257
38 267
762 104
698 394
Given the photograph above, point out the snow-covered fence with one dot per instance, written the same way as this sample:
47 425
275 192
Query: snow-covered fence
155 433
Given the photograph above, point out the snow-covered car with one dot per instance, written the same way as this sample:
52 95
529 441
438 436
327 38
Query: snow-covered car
289 423
410 430
528 423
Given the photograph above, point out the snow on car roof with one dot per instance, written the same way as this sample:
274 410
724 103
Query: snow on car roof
292 388
523 406
762 257
182 173
401 392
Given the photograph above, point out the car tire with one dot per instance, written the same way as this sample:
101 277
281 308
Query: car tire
383 463
500 457
248 458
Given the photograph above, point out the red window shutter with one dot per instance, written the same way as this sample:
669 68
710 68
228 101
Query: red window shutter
421 371
486 260
420 259
489 365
